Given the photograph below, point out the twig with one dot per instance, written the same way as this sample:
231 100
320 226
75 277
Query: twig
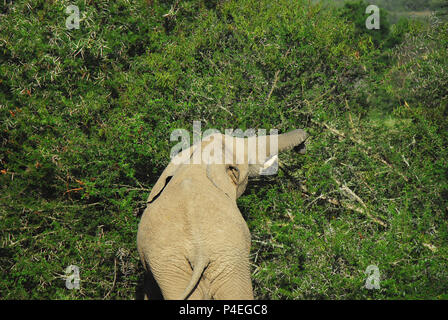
79 205
220 106
75 189
364 211
173 10
430 246
268 244
34 237
391 167
350 193
322 95
131 188
140 185
115 278
360 142
273 85
354 196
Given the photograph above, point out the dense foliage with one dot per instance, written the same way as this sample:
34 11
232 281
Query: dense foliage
86 116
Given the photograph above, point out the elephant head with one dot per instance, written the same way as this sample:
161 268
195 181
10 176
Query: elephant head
229 161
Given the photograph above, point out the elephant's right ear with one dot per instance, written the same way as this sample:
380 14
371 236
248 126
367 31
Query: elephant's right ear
169 172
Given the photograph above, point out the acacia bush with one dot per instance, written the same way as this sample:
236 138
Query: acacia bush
86 116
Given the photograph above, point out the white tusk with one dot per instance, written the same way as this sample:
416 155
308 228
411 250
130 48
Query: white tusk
270 162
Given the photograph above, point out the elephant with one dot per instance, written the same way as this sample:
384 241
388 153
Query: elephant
192 238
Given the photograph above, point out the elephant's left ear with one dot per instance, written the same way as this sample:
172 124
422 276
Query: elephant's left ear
169 172
160 184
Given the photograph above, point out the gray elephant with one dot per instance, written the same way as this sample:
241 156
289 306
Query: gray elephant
192 237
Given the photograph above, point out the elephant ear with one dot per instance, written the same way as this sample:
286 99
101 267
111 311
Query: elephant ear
161 182
226 177
169 172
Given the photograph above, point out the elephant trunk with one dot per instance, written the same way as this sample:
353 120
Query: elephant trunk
271 145
285 142
291 139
